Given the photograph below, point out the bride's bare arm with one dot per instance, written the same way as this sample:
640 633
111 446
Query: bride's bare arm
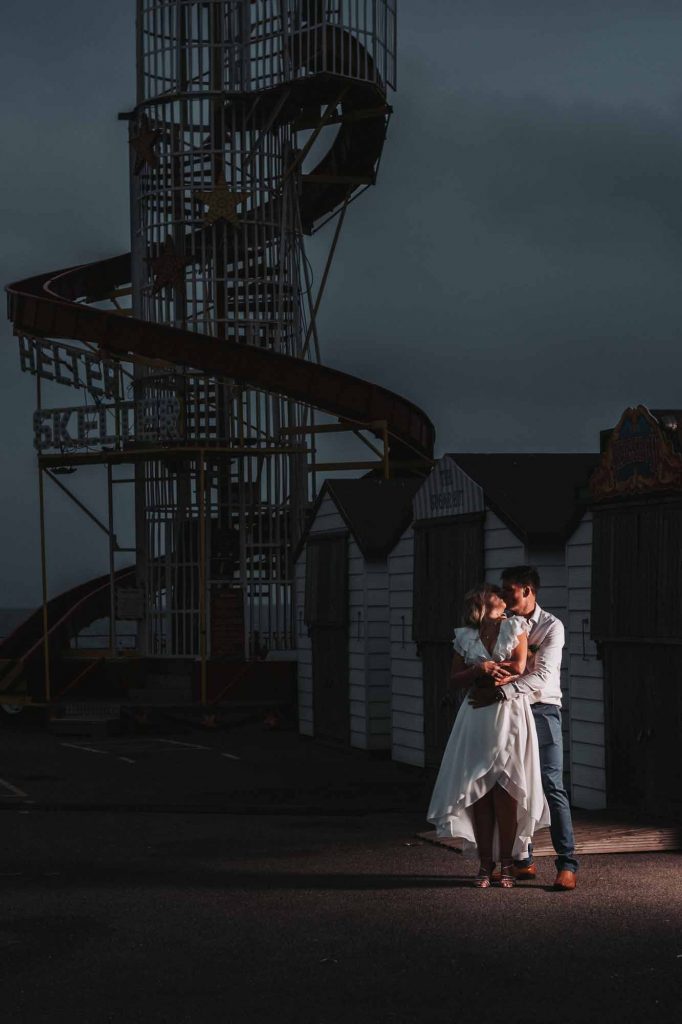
462 674
514 666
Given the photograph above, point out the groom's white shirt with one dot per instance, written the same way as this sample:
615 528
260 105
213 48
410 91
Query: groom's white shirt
542 678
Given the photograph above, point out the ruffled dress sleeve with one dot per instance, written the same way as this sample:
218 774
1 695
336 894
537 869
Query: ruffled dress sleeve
464 638
510 631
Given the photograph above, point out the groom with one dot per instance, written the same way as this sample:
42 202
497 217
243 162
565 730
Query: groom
542 682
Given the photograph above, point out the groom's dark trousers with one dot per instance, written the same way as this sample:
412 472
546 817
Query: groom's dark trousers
551 746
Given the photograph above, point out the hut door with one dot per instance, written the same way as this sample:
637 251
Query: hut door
448 561
636 600
644 722
326 614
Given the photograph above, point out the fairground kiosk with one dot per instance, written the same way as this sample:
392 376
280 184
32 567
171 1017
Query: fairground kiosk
636 610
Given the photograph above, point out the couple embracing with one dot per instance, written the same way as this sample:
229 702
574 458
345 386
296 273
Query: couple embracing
501 778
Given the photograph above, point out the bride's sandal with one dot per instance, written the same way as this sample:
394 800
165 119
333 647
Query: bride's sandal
482 879
507 880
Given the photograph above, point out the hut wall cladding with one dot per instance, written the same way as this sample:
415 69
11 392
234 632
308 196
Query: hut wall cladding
407 696
553 597
369 676
586 678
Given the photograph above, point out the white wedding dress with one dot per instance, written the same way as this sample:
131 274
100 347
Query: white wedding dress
487 746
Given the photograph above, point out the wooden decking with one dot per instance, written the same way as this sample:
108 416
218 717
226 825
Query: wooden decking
600 834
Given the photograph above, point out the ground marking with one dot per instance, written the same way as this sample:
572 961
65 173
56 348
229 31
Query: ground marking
94 750
78 746
177 743
12 789
233 757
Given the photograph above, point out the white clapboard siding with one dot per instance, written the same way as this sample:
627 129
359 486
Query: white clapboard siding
553 597
586 677
501 547
407 698
369 685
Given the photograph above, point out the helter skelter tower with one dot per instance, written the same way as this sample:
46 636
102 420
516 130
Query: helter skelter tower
204 393
231 97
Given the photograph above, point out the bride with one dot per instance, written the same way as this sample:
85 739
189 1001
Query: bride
488 792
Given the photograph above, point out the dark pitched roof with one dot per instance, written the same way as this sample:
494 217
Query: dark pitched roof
541 497
375 511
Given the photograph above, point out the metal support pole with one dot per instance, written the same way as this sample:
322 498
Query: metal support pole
325 275
43 569
202 572
387 466
112 567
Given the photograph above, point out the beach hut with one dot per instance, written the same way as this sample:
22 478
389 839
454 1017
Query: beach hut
344 686
474 515
625 612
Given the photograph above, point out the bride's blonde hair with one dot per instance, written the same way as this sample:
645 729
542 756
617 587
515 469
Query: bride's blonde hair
475 602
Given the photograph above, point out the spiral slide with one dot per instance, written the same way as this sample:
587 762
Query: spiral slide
57 305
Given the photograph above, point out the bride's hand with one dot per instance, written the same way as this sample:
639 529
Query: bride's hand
488 667
507 678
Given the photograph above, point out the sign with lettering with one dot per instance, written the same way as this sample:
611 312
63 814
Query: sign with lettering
67 364
447 491
89 426
638 459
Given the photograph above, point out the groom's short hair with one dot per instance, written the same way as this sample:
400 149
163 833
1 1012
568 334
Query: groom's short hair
523 576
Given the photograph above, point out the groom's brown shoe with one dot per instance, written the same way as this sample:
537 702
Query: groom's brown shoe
565 880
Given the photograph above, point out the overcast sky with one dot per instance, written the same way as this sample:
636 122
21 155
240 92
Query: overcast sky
516 271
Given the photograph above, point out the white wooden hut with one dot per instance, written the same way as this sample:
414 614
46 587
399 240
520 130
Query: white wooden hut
344 686
625 595
475 515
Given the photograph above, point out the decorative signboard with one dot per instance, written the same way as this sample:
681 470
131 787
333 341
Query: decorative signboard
639 459
67 364
89 426
447 491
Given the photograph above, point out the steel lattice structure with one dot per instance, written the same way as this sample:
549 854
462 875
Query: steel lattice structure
208 385
216 180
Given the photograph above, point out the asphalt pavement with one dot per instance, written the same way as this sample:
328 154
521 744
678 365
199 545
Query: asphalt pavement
246 875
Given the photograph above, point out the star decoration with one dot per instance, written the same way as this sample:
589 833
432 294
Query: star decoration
168 268
143 143
222 202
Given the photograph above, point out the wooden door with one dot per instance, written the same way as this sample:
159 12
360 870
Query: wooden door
643 688
331 701
448 562
326 614
637 618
